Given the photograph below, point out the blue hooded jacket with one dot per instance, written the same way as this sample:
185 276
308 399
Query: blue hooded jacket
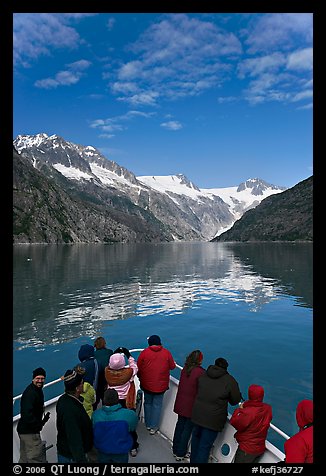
112 426
89 363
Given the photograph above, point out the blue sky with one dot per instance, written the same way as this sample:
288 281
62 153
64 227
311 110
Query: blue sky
219 97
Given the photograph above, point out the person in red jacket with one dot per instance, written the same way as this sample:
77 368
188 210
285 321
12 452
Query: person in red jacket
299 448
184 401
251 420
154 365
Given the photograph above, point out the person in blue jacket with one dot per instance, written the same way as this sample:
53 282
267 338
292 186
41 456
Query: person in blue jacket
87 359
112 425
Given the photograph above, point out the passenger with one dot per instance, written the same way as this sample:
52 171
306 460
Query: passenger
102 355
216 388
74 427
121 378
88 393
112 427
184 401
154 365
251 420
87 360
32 421
299 448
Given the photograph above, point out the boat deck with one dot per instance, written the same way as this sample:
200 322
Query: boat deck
152 448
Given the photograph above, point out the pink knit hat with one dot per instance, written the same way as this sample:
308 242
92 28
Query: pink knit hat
117 361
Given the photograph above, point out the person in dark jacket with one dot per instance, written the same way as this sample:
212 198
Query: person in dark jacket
251 420
32 421
74 427
299 448
86 355
154 365
102 355
186 394
112 426
216 389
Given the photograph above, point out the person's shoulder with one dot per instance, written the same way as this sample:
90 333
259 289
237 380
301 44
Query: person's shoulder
130 413
144 352
199 370
232 378
61 399
28 388
166 350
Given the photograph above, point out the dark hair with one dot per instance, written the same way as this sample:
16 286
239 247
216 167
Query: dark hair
221 362
194 359
99 343
110 397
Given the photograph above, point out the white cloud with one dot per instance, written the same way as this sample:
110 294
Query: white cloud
301 60
261 64
110 23
147 98
36 34
80 65
226 99
177 46
65 77
117 123
303 95
279 31
172 125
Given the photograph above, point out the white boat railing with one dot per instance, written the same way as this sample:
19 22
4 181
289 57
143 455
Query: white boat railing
18 397
53 382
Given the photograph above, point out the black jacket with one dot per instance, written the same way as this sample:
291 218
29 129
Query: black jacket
216 388
31 410
74 429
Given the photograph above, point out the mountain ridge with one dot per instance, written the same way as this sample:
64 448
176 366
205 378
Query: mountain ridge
172 204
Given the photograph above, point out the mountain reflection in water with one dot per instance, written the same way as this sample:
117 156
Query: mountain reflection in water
65 291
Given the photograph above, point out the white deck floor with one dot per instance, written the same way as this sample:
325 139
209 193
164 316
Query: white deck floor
152 448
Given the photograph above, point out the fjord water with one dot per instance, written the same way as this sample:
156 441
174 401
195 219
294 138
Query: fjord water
250 303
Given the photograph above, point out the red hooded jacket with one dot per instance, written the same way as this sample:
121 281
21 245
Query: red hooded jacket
299 448
154 365
252 421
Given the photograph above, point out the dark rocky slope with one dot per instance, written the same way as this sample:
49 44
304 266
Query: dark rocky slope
286 216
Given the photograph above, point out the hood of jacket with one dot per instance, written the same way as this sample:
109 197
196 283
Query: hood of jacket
215 371
111 408
256 393
117 361
156 348
86 351
304 413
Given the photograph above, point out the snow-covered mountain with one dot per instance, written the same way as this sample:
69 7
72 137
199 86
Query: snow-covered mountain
188 212
239 199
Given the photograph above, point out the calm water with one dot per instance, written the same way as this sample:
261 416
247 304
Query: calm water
249 303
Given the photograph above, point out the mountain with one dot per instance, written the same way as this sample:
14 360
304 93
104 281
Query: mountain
214 220
47 210
287 216
171 208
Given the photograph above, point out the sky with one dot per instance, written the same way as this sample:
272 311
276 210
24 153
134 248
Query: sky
218 97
